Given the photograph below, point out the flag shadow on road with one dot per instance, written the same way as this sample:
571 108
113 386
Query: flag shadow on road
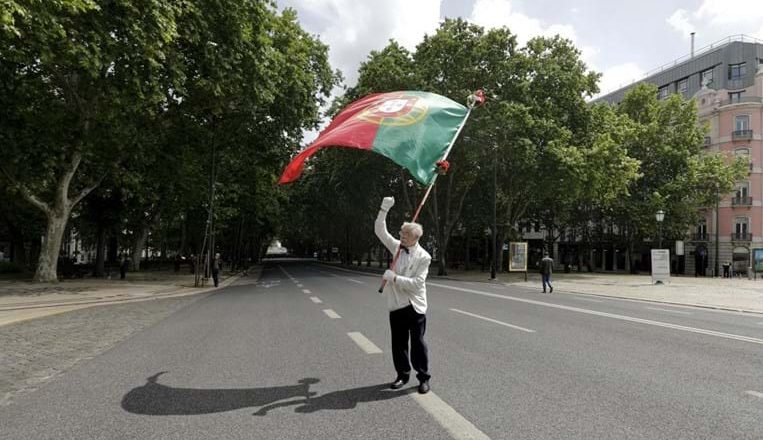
156 399
339 400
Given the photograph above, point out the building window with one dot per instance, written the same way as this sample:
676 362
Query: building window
742 152
702 228
706 77
735 97
662 93
742 122
740 225
737 71
683 85
742 191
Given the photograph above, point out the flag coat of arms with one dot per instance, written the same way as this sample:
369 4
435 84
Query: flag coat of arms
414 129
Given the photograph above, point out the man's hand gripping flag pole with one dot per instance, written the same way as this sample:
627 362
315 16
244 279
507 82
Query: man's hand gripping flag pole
474 100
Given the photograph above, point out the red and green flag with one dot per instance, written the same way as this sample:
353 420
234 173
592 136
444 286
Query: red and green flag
413 129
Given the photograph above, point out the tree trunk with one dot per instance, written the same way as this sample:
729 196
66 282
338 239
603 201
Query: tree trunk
499 248
47 265
466 254
17 251
100 252
138 245
183 235
442 268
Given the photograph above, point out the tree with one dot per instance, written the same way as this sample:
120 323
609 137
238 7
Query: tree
78 66
675 175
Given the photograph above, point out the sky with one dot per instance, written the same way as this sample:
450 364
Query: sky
623 40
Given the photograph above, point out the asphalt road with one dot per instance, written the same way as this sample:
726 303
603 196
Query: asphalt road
304 353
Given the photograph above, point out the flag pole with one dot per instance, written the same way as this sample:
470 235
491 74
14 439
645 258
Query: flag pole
471 103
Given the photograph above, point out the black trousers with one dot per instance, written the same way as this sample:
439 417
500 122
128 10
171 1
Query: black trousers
405 322
216 276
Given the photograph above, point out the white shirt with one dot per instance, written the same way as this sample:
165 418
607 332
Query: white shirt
412 268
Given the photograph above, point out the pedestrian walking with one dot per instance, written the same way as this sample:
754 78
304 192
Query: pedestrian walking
546 269
406 294
123 267
726 266
217 264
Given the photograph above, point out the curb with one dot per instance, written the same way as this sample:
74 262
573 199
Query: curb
702 306
177 292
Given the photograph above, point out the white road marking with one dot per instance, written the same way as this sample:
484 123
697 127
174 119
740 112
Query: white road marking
315 299
331 314
607 315
355 281
494 321
300 285
364 343
288 275
579 298
667 310
306 291
457 426
755 393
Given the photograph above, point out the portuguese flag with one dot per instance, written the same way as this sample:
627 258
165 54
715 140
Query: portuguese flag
413 129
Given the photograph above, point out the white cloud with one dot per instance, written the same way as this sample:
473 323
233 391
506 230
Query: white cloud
680 22
352 29
724 12
619 76
717 19
497 13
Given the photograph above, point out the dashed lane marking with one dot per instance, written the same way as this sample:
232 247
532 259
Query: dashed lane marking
331 314
315 299
306 291
364 343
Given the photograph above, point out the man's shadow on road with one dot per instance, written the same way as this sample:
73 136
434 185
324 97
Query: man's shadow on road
156 399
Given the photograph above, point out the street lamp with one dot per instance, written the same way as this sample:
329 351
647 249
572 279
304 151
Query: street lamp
660 216
717 229
494 265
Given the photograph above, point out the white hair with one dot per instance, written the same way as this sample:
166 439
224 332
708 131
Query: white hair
414 228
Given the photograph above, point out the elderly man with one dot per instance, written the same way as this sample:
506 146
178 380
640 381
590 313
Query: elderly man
406 298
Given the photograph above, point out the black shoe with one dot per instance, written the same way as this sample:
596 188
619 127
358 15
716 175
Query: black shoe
398 383
424 387
544 291
552 289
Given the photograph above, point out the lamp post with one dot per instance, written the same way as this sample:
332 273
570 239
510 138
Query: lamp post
717 229
494 263
660 216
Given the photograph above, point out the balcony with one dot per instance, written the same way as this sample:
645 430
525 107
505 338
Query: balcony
741 236
700 237
742 100
741 135
741 201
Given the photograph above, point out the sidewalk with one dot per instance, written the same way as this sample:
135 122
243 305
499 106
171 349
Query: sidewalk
23 300
737 294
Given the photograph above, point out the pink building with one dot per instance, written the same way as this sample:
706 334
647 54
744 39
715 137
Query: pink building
726 80
735 121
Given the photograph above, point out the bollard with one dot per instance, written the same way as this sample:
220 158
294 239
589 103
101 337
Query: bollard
749 273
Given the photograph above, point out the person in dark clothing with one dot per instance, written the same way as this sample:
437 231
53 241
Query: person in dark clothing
217 264
726 266
546 269
123 267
